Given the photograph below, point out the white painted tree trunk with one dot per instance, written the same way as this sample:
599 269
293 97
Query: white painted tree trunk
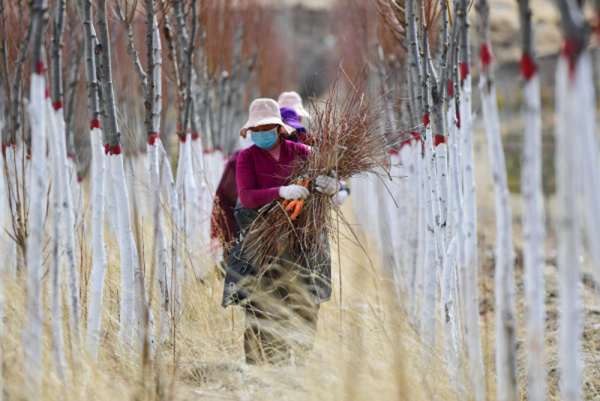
430 270
76 193
471 301
588 159
158 219
110 204
432 186
409 155
58 357
569 120
187 197
533 237
32 337
422 235
449 311
193 224
127 251
441 151
59 153
455 197
174 274
144 321
385 237
396 206
204 197
160 242
504 273
99 263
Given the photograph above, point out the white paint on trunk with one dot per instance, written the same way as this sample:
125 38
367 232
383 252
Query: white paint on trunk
174 274
205 199
455 223
471 300
441 152
449 311
569 120
59 153
409 155
160 242
504 272
589 161
187 197
127 251
533 238
58 358
32 336
99 263
430 272
422 236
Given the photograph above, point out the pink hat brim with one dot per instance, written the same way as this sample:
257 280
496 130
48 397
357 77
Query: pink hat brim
265 121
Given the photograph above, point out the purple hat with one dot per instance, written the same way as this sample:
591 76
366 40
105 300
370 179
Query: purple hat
290 117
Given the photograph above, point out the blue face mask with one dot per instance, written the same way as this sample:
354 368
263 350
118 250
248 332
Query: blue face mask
265 139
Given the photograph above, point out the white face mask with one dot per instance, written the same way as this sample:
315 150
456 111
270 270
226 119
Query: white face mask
247 141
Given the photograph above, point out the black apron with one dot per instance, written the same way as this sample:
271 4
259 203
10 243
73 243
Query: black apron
241 276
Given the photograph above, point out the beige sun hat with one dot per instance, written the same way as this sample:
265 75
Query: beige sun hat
264 112
294 101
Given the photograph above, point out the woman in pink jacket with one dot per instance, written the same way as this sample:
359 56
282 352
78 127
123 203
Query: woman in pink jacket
281 305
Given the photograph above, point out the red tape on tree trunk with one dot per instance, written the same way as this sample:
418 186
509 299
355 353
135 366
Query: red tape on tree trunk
528 67
464 70
153 138
485 55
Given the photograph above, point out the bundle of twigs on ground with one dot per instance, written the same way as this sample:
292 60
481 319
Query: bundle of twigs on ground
349 140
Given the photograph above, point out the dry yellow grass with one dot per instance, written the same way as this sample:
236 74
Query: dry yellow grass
366 348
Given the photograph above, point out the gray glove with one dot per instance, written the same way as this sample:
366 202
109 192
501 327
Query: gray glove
339 198
327 185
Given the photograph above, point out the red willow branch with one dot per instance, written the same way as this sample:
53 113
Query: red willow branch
391 19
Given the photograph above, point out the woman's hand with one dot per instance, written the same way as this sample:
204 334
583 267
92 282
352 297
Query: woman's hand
293 192
327 185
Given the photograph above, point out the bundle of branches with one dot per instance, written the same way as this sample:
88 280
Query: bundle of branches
350 140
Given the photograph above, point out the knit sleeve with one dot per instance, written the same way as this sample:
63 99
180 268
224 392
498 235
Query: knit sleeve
250 196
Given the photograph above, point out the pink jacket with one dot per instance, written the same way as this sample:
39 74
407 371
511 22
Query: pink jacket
259 176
